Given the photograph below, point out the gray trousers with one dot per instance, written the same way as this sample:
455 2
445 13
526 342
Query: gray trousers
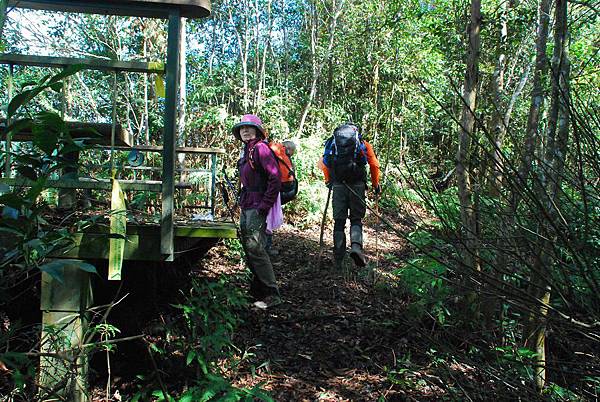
347 204
253 226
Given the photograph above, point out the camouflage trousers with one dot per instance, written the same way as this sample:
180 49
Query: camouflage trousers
253 226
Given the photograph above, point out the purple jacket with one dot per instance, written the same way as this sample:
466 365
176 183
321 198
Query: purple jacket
261 184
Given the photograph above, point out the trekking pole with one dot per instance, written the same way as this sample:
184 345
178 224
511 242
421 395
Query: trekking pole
238 230
323 226
376 269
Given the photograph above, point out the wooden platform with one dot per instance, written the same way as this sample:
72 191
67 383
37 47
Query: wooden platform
143 241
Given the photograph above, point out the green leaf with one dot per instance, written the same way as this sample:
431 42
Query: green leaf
84 266
71 147
57 87
12 200
56 269
68 71
188 396
44 139
17 126
27 172
10 230
22 99
190 356
161 396
36 189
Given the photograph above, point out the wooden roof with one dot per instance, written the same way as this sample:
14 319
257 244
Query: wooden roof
136 8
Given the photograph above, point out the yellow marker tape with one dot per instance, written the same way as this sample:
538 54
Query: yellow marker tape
118 227
156 65
160 85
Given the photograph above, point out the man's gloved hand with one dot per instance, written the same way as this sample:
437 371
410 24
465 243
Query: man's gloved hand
377 190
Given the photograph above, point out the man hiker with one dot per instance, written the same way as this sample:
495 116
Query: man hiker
344 167
261 182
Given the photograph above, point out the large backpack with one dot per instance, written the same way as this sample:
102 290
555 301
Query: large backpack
289 189
345 155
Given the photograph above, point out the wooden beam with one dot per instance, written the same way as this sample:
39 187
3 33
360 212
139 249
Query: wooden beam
219 231
136 8
98 133
91 64
96 246
188 150
92 184
170 129
143 241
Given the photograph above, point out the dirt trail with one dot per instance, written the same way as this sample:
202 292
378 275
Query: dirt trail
338 334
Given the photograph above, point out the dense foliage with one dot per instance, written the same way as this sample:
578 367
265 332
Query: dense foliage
523 276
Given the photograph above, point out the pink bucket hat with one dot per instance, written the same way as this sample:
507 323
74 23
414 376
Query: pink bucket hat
251 120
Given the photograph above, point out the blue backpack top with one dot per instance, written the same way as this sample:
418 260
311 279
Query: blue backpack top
346 155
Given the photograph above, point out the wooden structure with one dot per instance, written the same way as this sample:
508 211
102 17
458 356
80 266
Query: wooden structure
172 10
64 304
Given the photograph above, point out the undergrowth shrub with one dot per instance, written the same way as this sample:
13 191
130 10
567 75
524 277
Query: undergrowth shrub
203 341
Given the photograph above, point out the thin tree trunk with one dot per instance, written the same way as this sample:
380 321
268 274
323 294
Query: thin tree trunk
286 67
263 67
467 126
3 8
498 127
551 179
256 26
538 96
181 111
338 7
145 118
244 47
374 132
213 41
532 136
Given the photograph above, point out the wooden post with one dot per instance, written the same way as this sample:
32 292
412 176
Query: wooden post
213 180
67 198
9 91
64 325
168 185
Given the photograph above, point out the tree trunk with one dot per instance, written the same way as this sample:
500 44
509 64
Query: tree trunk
553 167
145 118
256 26
263 65
467 126
244 48
538 96
3 8
338 6
181 139
498 127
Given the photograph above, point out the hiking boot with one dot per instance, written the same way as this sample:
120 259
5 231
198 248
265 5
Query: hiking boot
339 245
357 255
268 302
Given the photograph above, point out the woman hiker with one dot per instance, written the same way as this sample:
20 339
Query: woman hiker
261 182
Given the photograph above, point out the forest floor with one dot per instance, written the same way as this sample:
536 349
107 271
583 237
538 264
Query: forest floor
341 335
